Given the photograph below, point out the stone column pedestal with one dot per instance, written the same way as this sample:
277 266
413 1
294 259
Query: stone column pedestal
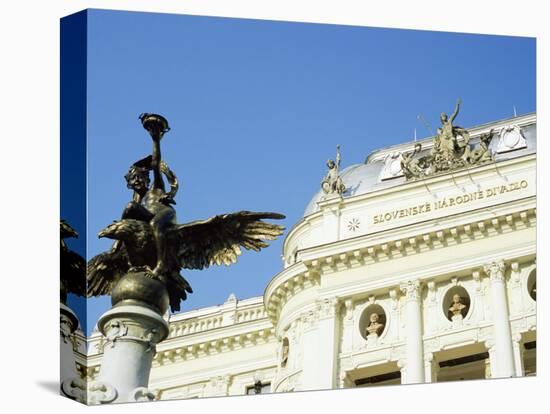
132 333
68 325
132 329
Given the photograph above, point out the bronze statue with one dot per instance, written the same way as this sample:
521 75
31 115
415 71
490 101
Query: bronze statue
72 266
332 183
451 150
149 241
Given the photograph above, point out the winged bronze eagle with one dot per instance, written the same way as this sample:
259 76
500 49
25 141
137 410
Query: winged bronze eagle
149 239
72 265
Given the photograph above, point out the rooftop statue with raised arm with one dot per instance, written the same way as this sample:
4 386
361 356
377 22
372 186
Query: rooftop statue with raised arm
446 133
332 182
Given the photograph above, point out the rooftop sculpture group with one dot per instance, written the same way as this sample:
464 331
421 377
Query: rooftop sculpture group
451 150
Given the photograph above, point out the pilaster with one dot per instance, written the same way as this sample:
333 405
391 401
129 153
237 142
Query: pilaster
504 366
321 342
413 326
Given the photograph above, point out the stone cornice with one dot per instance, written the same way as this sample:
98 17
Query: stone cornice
429 272
203 346
265 365
199 346
430 182
484 220
412 239
238 313
218 319
293 280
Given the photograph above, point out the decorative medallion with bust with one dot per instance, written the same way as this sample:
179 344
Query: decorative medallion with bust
458 309
375 326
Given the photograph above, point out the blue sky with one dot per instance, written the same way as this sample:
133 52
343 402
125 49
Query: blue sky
256 107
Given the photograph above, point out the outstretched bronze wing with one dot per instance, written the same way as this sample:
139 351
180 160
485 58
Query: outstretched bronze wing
219 239
105 270
73 265
73 273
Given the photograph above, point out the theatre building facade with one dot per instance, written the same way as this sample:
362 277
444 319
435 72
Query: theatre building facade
416 266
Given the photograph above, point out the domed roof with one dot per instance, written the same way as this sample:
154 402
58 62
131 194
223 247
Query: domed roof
379 172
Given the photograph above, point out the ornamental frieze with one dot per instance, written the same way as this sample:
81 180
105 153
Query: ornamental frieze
447 202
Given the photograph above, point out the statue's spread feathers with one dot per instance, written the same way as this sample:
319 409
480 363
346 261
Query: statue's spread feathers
218 240
72 265
196 245
105 270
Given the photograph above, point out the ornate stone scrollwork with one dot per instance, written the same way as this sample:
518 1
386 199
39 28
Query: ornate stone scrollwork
65 325
151 337
91 393
511 138
142 394
115 329
392 166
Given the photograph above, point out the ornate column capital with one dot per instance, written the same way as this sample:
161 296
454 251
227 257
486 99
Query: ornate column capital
310 318
327 307
495 270
411 289
133 324
219 385
68 323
